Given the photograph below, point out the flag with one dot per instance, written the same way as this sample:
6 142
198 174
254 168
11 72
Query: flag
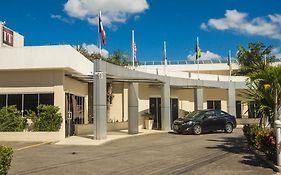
197 49
134 49
229 59
101 31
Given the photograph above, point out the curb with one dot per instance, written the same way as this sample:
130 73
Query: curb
268 162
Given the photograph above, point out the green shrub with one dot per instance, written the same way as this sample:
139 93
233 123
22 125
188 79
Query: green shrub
11 119
6 154
262 139
47 119
148 116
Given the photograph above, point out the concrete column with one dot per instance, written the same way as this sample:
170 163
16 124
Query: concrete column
198 93
133 108
231 99
125 101
59 100
99 100
165 107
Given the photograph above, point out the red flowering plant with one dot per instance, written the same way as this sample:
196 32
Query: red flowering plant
262 139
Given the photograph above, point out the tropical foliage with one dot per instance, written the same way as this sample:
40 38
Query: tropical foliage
261 139
48 118
118 57
264 79
6 154
256 57
11 120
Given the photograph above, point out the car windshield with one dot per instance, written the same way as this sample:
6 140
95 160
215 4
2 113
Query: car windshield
194 114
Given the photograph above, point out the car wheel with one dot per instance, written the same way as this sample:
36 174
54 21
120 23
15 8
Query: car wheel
228 128
197 129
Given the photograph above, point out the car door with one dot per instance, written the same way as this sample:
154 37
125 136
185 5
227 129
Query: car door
221 119
209 121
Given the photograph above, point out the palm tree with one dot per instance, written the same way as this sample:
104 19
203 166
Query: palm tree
256 57
265 90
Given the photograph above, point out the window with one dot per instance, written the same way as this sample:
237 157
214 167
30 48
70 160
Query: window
214 104
47 99
30 102
26 101
251 109
238 109
2 100
15 99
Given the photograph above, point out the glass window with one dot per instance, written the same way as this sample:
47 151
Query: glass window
47 99
2 100
214 104
15 99
210 105
217 104
30 102
251 110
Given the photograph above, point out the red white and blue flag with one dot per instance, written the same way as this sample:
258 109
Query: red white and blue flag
101 31
134 48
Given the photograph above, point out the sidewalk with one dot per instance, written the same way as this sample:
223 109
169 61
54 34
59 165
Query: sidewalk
112 135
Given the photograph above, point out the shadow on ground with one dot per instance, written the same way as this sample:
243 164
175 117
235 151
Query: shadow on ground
237 145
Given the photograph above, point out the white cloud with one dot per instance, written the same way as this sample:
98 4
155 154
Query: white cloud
276 51
92 48
204 56
59 17
269 26
112 10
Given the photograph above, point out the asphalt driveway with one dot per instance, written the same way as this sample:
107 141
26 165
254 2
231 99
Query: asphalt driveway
163 153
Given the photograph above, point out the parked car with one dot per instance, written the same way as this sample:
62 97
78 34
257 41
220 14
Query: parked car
204 121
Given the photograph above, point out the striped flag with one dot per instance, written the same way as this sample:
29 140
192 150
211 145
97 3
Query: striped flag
101 31
134 49
197 49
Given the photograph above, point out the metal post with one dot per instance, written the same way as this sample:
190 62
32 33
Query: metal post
278 138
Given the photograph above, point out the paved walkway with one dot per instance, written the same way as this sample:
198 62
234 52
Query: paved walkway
162 153
113 135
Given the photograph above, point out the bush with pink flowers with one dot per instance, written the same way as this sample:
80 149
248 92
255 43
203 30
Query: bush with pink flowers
261 139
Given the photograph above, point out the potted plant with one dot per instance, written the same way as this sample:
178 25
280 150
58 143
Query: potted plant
148 120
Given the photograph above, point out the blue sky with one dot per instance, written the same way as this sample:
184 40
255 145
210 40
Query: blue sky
220 25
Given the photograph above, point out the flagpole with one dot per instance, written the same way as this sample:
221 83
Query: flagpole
165 58
197 56
229 64
133 45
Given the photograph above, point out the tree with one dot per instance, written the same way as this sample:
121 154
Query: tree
119 58
265 90
257 57
264 82
85 53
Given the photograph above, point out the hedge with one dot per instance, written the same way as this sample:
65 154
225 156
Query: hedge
6 154
262 139
11 119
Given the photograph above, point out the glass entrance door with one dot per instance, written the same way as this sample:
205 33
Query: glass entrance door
74 113
155 109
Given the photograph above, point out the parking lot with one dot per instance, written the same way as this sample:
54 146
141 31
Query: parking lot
161 153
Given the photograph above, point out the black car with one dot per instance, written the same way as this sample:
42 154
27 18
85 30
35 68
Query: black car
204 121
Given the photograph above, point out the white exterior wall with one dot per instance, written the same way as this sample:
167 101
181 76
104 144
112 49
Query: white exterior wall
18 40
48 81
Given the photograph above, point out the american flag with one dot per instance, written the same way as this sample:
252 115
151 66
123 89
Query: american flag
134 49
